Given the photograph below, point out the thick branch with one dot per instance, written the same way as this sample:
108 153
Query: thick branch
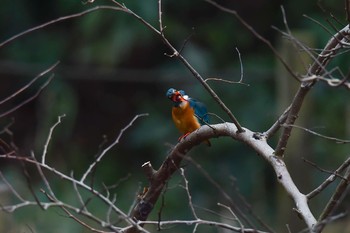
317 68
172 163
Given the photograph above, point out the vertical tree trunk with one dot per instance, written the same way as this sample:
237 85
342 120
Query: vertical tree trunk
298 144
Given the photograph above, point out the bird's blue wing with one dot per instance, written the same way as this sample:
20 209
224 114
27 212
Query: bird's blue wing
200 110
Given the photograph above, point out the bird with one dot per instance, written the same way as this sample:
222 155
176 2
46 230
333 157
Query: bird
187 113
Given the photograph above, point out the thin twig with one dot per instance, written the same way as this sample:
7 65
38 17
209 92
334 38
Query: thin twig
72 180
43 157
43 177
233 214
161 28
116 141
30 186
29 84
12 189
256 34
277 125
316 69
241 64
323 170
204 222
225 81
189 196
330 179
233 204
60 19
32 97
70 215
337 140
80 198
334 201
229 81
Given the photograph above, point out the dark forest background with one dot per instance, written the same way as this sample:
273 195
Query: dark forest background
112 68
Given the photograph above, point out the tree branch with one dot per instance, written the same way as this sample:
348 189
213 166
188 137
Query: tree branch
43 157
328 53
171 164
27 86
177 54
60 19
329 180
334 202
116 141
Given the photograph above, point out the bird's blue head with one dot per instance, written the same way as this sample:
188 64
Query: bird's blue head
170 93
176 96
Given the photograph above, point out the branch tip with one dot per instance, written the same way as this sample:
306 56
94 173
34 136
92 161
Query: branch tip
148 170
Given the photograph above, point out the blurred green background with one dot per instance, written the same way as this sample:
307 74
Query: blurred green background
112 67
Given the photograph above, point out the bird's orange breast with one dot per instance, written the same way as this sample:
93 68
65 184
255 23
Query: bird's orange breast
184 118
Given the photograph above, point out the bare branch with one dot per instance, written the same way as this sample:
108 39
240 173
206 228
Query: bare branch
116 141
239 210
241 64
80 198
29 84
255 33
60 19
25 87
49 138
233 214
323 170
12 189
182 172
148 170
277 125
30 186
328 53
172 163
70 215
334 202
178 55
225 81
161 28
329 180
145 202
337 140
203 222
43 177
69 179
229 81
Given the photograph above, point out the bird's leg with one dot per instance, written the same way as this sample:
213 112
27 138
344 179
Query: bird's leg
183 136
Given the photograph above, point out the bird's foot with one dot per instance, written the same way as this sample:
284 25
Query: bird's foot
183 136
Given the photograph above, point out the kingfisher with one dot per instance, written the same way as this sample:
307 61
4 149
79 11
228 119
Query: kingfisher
188 114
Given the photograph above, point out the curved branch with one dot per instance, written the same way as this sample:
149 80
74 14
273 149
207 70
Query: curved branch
60 19
171 164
